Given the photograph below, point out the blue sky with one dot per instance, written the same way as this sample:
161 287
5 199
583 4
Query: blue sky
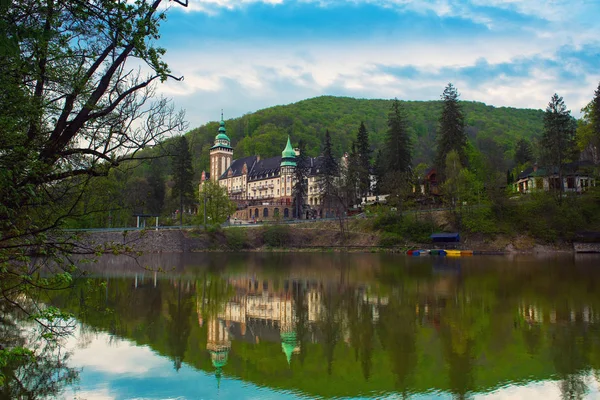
244 55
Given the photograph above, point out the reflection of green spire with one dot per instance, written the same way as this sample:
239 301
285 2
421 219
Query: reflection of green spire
288 344
218 374
219 360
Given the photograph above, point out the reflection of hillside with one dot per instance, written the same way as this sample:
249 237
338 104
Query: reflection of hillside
350 325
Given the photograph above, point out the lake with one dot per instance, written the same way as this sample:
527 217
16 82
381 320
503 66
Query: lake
334 325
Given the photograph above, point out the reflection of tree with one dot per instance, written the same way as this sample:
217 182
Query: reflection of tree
532 335
360 323
366 339
398 332
464 326
330 324
178 330
301 327
24 374
153 313
212 292
570 347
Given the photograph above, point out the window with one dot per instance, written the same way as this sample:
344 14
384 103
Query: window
266 212
570 182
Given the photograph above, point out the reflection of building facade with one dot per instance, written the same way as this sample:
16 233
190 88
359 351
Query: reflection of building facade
218 345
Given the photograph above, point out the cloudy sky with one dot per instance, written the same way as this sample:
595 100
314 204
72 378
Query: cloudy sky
244 55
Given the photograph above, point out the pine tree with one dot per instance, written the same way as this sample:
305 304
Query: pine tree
182 175
398 146
397 159
379 170
363 152
351 184
329 173
156 182
595 117
558 139
300 178
523 152
451 134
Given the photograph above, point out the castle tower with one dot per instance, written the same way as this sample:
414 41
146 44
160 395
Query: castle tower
221 154
288 165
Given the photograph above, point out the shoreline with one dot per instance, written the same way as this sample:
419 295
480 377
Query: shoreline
289 239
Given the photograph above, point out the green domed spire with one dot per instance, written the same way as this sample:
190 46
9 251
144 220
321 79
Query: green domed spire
222 140
288 344
288 155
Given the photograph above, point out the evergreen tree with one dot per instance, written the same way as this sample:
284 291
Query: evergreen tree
351 177
558 139
398 146
156 182
329 173
397 162
523 152
595 118
451 134
182 175
300 179
363 151
379 170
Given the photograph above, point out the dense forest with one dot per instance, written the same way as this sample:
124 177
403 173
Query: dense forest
264 132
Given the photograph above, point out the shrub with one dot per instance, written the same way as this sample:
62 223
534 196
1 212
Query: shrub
395 227
236 238
480 220
276 235
389 239
418 230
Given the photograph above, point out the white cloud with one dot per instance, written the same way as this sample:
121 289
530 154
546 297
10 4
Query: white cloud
119 357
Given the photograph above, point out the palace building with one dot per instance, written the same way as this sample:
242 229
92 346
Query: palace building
263 189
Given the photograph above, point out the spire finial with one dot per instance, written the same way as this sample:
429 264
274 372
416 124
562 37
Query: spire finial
221 114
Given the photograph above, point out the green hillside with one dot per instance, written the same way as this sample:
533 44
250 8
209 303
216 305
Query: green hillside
491 130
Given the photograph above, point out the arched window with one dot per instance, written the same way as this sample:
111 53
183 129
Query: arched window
256 213
266 212
276 212
286 213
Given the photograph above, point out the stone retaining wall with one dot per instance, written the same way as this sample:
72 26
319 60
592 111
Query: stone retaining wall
580 247
147 241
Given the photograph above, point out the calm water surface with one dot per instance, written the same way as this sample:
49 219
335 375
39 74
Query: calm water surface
273 326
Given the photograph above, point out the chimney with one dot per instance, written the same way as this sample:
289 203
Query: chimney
535 167
297 151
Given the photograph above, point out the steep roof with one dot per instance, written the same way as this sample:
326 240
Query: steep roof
237 166
316 163
264 168
572 168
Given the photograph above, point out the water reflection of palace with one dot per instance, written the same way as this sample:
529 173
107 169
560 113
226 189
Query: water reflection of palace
266 310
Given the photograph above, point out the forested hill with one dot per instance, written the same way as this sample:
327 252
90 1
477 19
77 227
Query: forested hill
494 131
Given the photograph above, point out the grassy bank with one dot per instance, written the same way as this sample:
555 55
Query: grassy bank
539 222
